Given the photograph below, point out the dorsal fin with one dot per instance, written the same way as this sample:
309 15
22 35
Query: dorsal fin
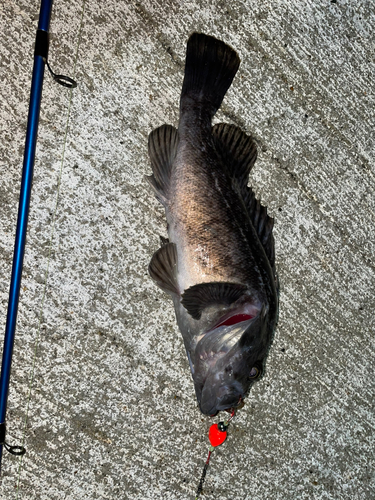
196 298
238 153
163 268
262 222
237 150
162 148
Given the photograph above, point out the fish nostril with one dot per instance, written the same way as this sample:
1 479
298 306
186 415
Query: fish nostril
229 370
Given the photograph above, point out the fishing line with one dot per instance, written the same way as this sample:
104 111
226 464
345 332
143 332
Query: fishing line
67 82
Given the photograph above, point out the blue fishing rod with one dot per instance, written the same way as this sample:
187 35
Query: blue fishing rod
40 60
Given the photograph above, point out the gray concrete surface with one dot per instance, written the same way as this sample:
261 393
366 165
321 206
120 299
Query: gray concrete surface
101 392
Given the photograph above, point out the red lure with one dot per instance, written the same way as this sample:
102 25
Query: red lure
217 435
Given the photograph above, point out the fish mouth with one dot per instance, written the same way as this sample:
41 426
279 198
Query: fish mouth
227 397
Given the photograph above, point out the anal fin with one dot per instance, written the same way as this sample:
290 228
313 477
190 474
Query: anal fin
162 148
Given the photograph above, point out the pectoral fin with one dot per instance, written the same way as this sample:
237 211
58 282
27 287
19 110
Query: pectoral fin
196 298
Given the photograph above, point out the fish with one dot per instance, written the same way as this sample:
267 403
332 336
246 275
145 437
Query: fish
218 262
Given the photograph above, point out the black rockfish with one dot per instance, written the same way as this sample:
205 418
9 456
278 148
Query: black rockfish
219 263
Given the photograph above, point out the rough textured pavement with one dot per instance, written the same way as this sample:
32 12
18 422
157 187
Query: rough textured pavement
101 391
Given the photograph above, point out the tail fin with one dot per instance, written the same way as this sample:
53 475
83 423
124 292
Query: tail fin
209 70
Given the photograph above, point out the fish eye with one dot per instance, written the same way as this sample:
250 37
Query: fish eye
254 373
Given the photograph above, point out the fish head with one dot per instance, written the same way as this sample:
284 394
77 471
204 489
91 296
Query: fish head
228 359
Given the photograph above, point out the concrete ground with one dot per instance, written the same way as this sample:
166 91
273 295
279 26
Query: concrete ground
101 393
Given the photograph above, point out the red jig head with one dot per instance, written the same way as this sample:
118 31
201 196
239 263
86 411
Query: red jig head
217 434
